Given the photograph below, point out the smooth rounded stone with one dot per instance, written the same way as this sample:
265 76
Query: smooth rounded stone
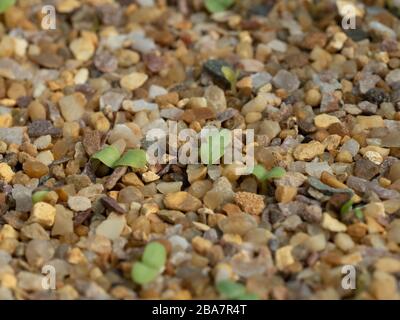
178 243
292 222
45 157
83 49
332 224
169 187
72 107
111 99
214 171
220 194
23 198
182 201
171 216
29 281
394 231
393 78
133 80
291 179
141 43
351 146
237 224
91 191
199 188
155 91
313 97
315 169
139 105
216 98
260 79
34 231
308 151
42 142
258 104
344 242
6 172
316 243
12 135
394 172
79 203
5 258
112 227
130 134
35 169
171 113
323 121
63 222
269 128
258 236
6 294
38 252
286 80
130 194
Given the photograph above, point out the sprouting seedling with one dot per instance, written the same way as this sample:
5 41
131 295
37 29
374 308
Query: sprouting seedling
39 196
214 6
234 291
6 4
111 157
231 75
358 213
263 174
346 207
152 264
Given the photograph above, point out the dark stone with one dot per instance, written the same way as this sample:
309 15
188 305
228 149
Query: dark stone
356 34
365 169
40 128
112 204
213 68
376 96
105 62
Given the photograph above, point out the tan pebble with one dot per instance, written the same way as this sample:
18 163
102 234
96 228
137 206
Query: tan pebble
43 213
384 152
76 256
344 156
150 176
196 172
252 117
332 224
374 157
316 243
313 97
131 179
73 106
285 194
71 129
6 120
133 80
344 242
6 173
323 121
387 264
8 232
284 257
67 6
308 151
375 210
369 122
182 201
201 245
100 122
250 202
36 111
35 169
82 48
384 286
63 223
